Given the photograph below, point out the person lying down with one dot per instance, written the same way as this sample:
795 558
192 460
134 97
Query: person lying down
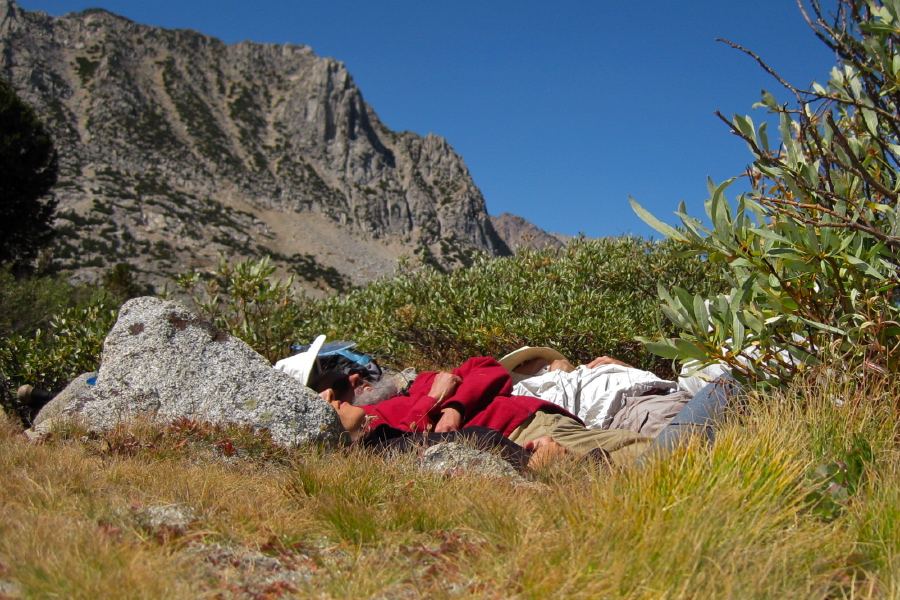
605 393
479 396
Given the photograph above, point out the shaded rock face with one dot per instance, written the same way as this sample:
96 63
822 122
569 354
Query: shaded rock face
176 147
163 361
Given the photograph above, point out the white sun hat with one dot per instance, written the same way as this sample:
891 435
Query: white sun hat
300 366
517 357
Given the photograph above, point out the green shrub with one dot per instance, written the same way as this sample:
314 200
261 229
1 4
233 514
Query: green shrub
588 299
248 301
813 249
70 345
29 302
120 282
50 331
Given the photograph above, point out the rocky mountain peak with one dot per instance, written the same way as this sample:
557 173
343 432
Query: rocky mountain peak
176 147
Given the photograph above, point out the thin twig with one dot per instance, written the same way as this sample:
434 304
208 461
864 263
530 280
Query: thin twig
859 168
765 67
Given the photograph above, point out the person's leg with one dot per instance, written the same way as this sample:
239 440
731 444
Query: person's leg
30 401
700 416
621 446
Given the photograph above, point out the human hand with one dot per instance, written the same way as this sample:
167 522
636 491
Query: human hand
607 360
561 364
545 449
450 420
444 385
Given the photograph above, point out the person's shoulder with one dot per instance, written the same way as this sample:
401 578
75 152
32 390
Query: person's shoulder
481 362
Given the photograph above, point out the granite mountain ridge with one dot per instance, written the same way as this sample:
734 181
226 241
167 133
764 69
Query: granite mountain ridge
177 148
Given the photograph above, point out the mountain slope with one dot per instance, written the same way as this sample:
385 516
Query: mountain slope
177 148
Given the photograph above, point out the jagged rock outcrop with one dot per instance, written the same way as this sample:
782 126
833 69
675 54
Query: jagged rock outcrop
517 232
176 147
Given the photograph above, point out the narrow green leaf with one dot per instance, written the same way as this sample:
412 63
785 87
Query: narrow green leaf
701 315
738 332
690 350
764 136
802 354
822 326
863 266
663 293
871 120
649 219
753 322
662 348
675 317
771 235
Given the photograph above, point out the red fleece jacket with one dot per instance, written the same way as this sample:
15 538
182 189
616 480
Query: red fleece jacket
484 396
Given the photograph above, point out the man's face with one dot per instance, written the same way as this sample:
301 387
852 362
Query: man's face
345 387
353 418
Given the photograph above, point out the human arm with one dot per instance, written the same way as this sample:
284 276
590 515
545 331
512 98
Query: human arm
443 386
534 365
483 379
451 418
607 360
561 365
419 410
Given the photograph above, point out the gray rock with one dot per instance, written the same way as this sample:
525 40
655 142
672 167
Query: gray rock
453 458
164 518
248 573
76 388
161 360
519 233
10 590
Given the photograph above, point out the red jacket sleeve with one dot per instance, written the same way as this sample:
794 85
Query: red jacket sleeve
483 379
407 413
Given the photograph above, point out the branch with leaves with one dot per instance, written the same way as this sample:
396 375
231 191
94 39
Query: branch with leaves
814 247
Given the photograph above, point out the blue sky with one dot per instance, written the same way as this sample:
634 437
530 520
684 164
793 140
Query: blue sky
560 109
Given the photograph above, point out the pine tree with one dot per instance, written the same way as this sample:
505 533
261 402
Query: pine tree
28 171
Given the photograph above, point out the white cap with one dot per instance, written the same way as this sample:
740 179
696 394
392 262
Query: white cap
300 366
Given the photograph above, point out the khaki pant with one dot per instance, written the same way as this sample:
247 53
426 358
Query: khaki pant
623 446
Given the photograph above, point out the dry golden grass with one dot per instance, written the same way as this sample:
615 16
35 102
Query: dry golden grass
732 521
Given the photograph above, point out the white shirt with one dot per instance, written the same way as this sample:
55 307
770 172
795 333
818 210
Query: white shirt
594 395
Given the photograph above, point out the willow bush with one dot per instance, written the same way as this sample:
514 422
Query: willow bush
813 249
591 298
249 301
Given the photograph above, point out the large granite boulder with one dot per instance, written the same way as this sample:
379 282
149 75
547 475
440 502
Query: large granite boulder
161 360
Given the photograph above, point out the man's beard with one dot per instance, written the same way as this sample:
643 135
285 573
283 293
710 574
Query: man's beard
377 392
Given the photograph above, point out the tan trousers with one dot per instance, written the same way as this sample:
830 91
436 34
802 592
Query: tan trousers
623 446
